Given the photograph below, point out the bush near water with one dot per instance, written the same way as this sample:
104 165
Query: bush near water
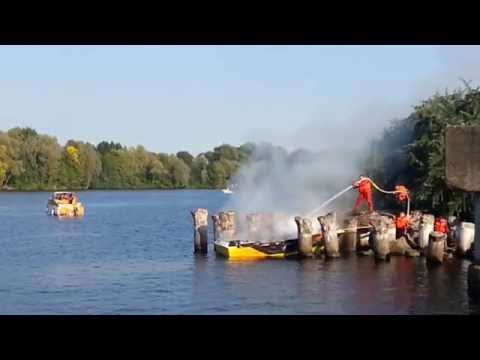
410 152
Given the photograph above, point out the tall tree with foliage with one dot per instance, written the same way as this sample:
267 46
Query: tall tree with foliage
413 150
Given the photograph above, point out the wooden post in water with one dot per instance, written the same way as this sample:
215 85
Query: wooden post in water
226 226
304 227
349 241
200 227
465 237
392 229
380 237
215 230
426 227
462 169
330 235
436 247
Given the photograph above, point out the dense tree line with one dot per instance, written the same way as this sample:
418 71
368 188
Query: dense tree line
411 151
32 161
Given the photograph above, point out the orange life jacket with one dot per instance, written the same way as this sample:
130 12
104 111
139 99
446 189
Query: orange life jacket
364 185
441 225
401 222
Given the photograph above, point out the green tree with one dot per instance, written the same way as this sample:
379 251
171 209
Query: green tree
186 157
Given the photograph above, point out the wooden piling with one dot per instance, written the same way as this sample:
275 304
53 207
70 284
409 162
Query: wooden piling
226 226
304 229
380 237
200 227
349 240
329 230
426 227
465 237
436 247
215 230
391 229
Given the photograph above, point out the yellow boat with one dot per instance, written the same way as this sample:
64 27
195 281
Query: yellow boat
245 250
65 204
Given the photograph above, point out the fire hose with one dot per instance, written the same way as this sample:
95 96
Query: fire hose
391 192
311 213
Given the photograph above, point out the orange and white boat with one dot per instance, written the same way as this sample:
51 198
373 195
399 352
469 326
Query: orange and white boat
65 204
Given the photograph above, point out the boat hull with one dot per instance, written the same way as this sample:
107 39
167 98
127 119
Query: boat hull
235 250
66 210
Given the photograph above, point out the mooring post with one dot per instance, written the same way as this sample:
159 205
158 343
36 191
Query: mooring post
305 230
328 225
464 238
426 227
380 237
349 241
215 230
436 247
200 227
226 226
474 268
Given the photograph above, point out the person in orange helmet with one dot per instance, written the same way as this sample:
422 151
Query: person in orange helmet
401 224
401 192
364 192
441 225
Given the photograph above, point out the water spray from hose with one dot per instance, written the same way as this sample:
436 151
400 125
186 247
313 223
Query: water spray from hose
312 213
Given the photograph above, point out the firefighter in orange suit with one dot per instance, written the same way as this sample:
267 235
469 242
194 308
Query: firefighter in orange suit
364 187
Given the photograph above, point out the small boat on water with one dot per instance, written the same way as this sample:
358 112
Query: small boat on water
227 191
65 204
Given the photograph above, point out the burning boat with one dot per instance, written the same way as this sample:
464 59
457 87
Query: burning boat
260 238
247 250
65 204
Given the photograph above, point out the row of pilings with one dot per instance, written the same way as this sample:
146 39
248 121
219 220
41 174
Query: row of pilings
367 234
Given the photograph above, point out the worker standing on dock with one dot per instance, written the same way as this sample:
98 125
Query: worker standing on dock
402 193
364 192
401 224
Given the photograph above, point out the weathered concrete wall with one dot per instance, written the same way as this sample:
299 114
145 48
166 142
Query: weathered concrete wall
462 157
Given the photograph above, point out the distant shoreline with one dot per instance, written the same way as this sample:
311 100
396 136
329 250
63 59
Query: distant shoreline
85 190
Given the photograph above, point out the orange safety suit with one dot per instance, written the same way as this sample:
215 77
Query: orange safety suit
402 192
401 223
364 193
441 225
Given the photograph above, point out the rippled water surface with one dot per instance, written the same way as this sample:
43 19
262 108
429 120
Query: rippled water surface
132 254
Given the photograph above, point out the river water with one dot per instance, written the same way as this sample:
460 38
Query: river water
132 253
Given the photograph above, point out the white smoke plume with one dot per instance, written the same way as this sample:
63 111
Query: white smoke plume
328 158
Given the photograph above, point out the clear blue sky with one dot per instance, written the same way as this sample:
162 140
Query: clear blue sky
170 98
